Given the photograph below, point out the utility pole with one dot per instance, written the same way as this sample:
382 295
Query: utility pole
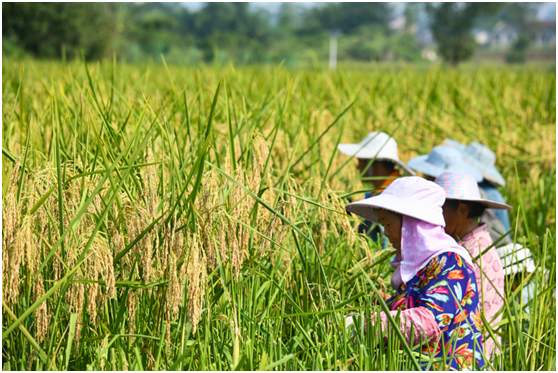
333 49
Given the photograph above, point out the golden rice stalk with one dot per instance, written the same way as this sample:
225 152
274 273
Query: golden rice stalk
106 258
41 314
150 359
210 220
174 288
261 152
11 252
132 305
144 247
92 296
103 351
32 247
173 292
76 301
197 276
16 253
99 267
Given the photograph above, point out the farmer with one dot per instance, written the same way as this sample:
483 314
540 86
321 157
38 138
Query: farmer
483 160
517 260
436 291
379 164
462 211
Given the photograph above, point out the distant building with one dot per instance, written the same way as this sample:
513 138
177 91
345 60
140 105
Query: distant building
543 33
429 54
397 23
503 35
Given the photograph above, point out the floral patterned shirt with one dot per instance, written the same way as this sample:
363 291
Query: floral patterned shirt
442 303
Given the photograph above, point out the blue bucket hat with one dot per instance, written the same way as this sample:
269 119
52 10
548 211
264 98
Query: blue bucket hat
484 160
480 157
443 158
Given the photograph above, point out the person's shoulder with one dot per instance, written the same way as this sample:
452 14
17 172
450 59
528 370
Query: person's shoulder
482 234
449 261
445 266
479 238
457 268
436 265
445 257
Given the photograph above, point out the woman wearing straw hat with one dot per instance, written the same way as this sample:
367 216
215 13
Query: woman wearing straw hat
378 159
483 160
379 164
517 260
436 291
462 211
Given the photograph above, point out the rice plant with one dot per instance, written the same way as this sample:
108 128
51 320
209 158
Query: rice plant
159 217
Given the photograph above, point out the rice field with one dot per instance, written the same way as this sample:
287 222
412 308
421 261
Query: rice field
159 217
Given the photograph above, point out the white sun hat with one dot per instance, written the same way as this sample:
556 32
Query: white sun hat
411 196
376 145
443 158
463 187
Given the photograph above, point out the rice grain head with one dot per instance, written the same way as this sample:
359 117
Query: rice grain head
197 276
12 248
41 313
132 304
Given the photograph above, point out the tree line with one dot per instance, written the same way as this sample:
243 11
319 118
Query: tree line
238 32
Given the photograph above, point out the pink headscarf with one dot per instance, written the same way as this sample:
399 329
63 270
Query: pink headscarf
420 242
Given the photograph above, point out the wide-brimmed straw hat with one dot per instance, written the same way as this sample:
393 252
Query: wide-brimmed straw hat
411 195
463 187
443 158
376 145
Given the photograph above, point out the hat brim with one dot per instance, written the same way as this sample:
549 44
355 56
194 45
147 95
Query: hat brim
485 202
357 151
421 165
366 208
454 144
494 177
488 172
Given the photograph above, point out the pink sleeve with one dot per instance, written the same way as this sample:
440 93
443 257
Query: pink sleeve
421 319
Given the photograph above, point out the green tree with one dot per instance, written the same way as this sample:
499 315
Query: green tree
451 26
518 51
347 17
155 28
231 27
288 17
518 15
56 29
411 14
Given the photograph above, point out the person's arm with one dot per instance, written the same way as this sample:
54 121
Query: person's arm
436 306
416 324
